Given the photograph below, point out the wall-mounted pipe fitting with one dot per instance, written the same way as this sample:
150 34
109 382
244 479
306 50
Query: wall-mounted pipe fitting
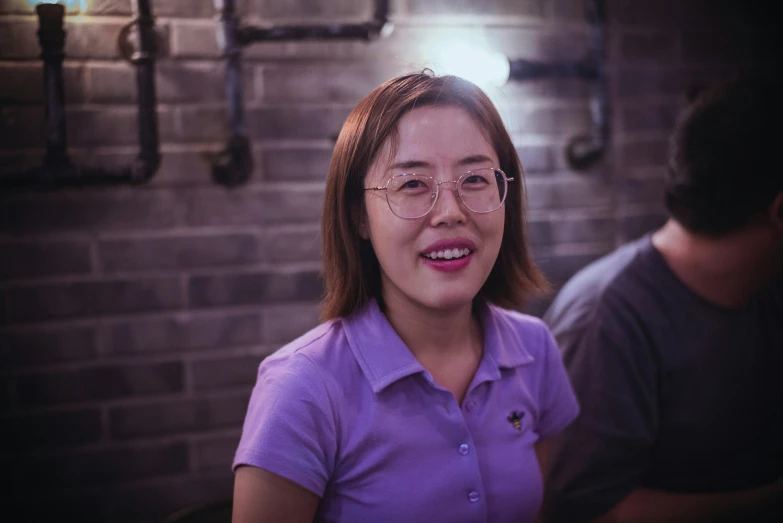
234 164
584 151
148 160
57 170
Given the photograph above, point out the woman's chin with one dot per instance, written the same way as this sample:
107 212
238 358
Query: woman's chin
445 300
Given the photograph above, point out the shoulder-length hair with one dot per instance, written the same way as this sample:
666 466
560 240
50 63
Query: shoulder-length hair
350 268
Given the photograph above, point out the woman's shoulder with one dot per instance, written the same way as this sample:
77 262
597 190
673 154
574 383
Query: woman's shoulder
518 319
523 324
316 354
522 332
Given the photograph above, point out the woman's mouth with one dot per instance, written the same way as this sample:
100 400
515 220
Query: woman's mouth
448 260
448 254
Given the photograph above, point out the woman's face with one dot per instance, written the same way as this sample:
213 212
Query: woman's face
443 143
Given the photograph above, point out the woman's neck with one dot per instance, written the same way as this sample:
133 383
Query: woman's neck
433 334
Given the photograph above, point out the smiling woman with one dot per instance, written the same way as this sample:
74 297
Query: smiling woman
440 142
421 398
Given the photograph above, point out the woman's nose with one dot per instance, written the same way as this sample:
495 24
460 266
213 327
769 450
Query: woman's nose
447 208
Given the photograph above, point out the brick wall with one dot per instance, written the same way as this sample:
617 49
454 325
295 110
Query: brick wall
132 319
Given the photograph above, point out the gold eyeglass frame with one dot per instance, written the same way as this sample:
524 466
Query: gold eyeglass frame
437 190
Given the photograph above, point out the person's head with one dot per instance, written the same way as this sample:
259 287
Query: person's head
724 168
437 128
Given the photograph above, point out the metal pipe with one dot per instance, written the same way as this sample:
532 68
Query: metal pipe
531 70
584 151
234 164
367 31
57 169
51 37
148 160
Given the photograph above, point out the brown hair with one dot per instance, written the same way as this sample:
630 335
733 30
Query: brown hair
351 270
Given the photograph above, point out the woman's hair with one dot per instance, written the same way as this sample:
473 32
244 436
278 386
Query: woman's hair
351 270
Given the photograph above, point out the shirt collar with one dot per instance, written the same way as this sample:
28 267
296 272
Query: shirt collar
384 358
503 342
382 355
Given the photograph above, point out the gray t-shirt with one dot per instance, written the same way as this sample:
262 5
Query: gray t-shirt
676 393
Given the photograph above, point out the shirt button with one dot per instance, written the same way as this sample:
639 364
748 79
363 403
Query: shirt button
470 405
473 496
464 449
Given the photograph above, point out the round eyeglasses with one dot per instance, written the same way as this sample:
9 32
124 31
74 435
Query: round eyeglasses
412 196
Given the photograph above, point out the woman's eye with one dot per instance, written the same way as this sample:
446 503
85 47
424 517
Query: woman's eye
474 180
412 184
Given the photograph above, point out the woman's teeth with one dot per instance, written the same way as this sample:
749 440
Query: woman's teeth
449 254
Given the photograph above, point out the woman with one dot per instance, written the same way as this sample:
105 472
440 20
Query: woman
419 398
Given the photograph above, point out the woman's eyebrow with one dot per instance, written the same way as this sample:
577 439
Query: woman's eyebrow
475 158
409 164
414 164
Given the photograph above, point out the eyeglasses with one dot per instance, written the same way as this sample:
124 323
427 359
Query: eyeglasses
412 196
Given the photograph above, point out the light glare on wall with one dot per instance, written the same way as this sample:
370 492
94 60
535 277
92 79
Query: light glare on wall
480 65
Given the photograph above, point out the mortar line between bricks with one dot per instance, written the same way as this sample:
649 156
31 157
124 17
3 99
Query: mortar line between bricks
236 391
123 361
172 274
208 231
261 349
108 320
110 403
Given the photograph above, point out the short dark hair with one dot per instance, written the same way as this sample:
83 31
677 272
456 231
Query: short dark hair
724 158
351 270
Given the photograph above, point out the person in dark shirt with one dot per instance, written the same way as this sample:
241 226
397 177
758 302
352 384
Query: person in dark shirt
674 342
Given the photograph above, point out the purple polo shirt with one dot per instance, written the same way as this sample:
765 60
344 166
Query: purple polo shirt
347 412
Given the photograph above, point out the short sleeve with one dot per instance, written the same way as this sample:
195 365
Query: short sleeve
289 428
559 405
601 457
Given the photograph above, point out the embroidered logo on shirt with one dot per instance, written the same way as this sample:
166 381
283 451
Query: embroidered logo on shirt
515 418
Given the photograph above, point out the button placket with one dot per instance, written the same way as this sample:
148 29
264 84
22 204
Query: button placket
464 449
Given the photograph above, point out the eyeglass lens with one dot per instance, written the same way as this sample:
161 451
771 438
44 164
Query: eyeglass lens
412 195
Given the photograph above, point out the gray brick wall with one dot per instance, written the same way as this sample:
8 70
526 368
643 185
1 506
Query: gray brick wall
132 319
